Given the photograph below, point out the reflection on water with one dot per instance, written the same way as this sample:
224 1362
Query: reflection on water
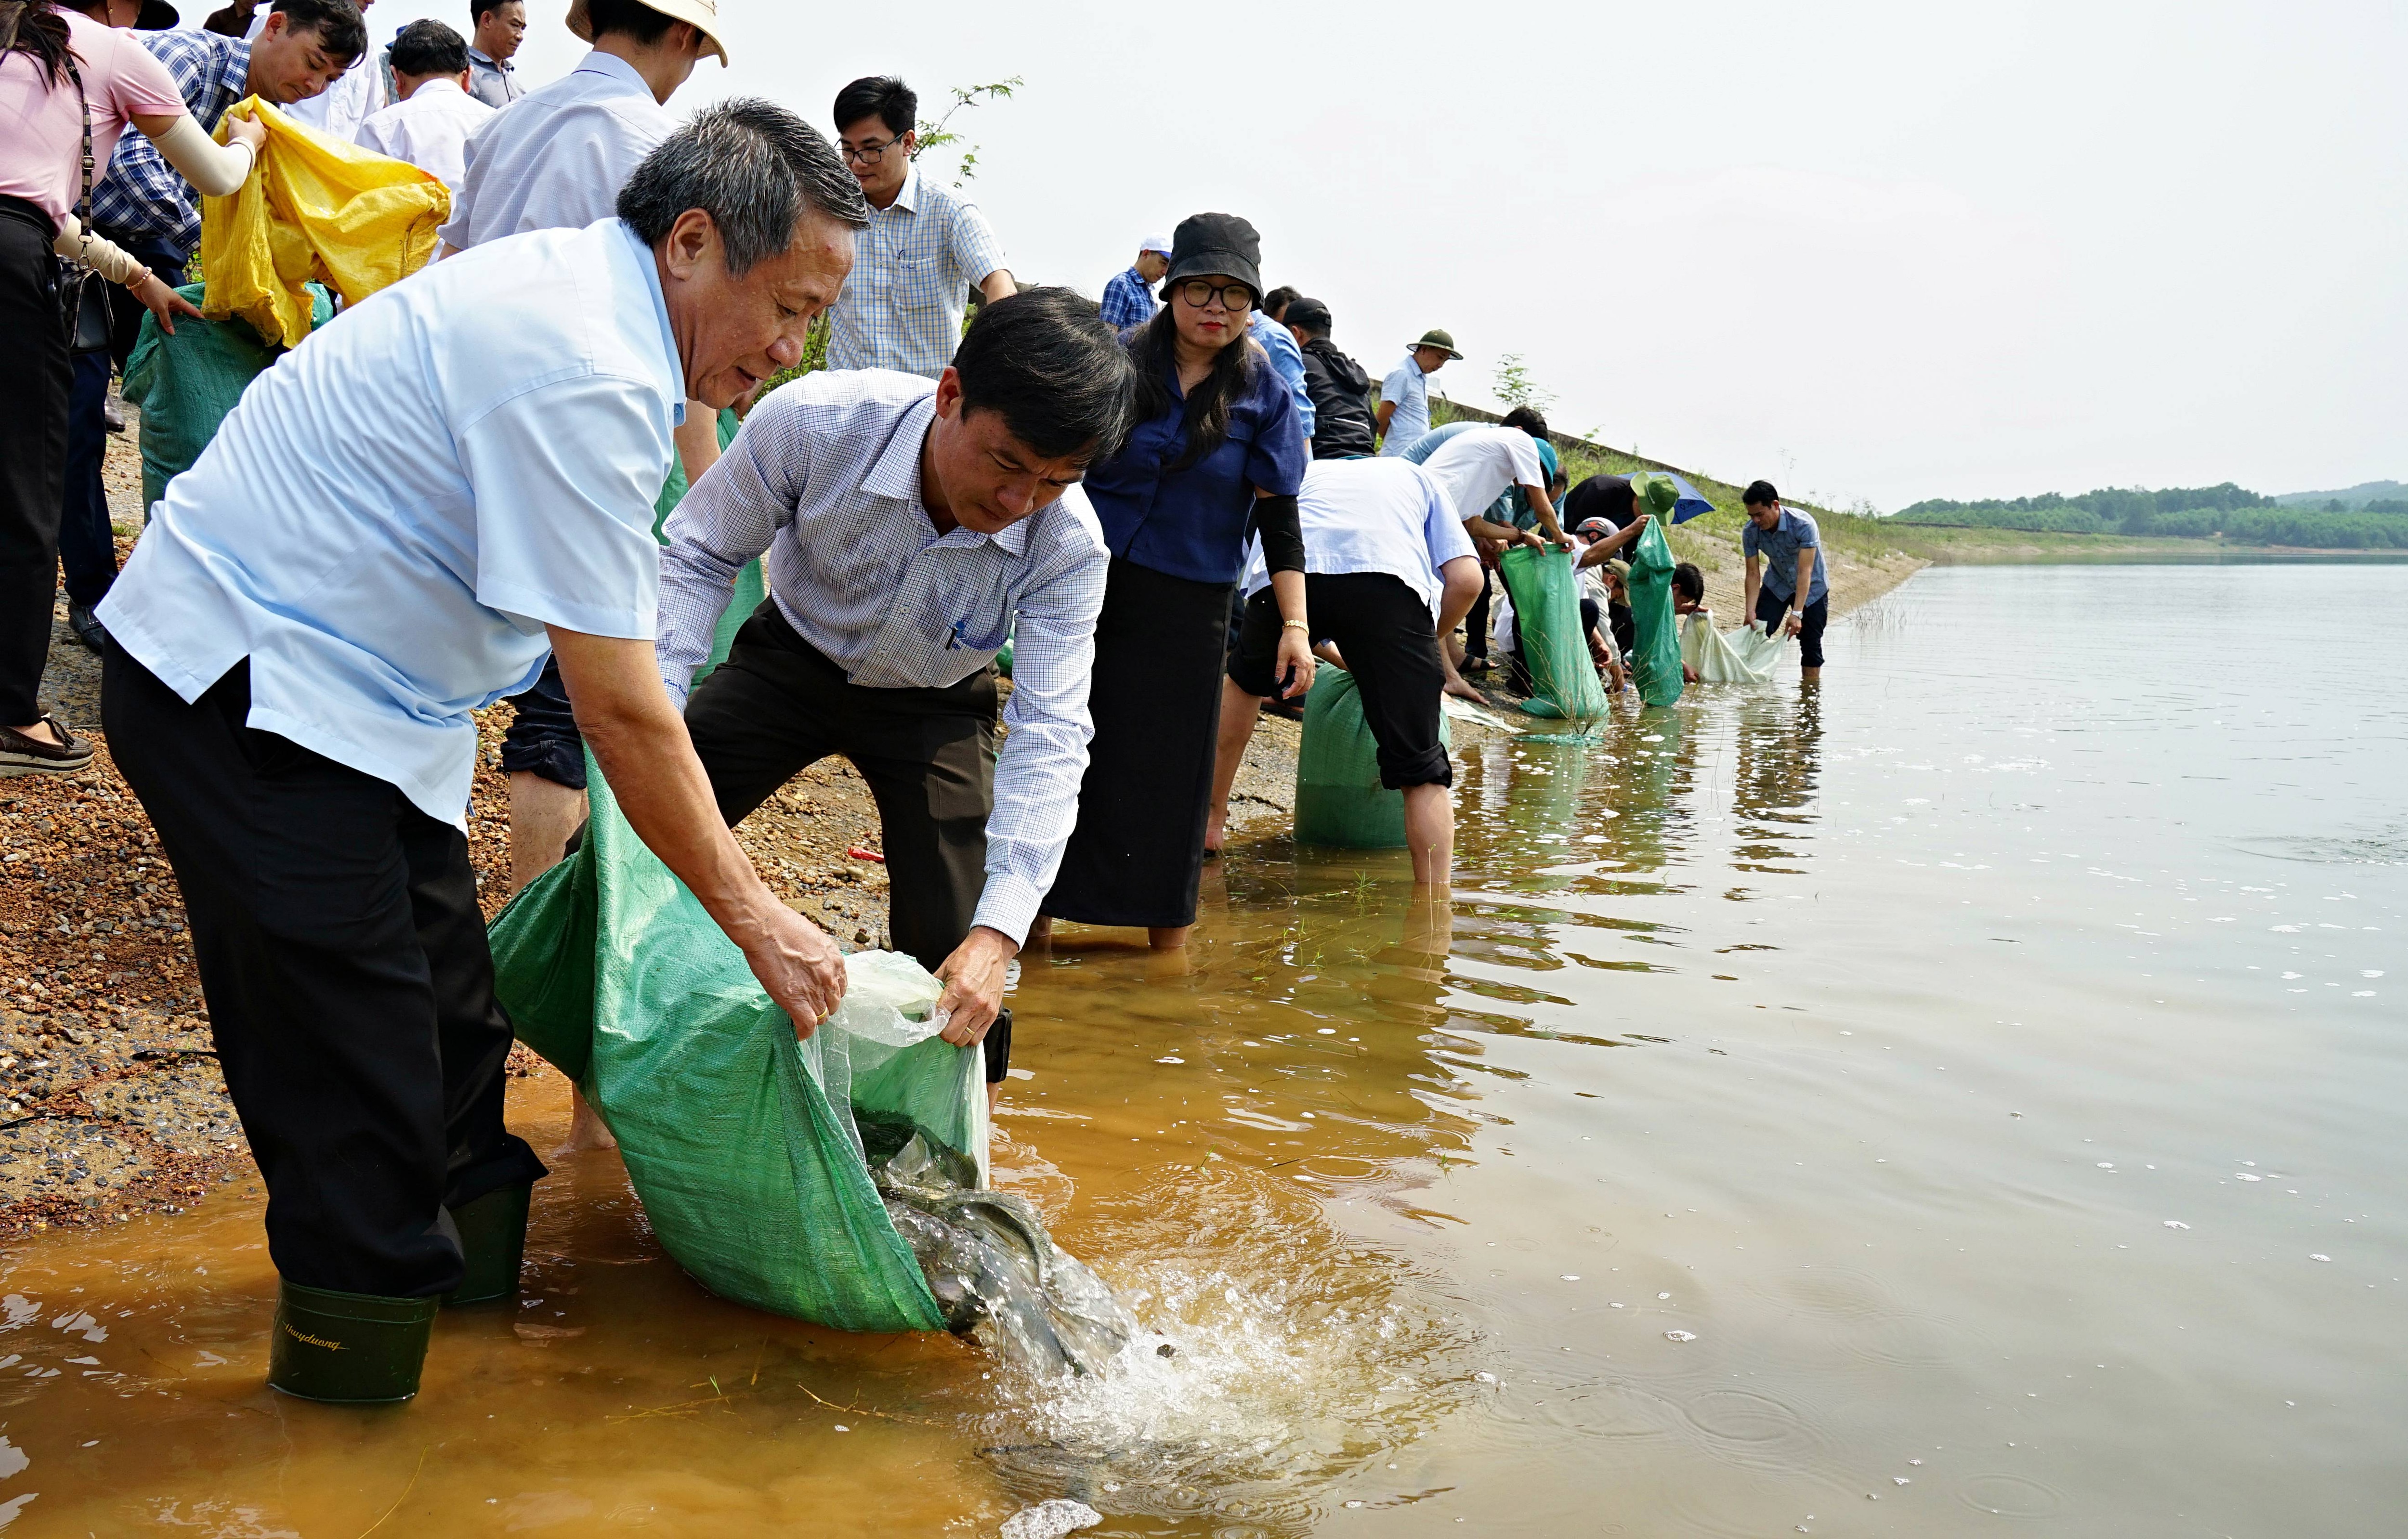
1962 1096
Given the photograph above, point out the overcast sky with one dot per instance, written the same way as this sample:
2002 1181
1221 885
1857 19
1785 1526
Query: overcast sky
1874 252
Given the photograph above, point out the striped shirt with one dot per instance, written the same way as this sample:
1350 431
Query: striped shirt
826 477
914 265
142 198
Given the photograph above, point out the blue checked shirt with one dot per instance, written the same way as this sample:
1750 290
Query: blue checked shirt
141 197
1129 301
912 273
826 477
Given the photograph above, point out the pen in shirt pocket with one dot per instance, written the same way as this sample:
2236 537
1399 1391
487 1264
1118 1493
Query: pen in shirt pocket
954 642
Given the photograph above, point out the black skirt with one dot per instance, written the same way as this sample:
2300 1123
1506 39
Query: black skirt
1137 855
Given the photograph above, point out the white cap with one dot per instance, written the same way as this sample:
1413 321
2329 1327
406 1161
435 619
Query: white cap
1156 243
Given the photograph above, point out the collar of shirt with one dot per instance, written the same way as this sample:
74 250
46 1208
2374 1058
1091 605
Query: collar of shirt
479 56
908 198
599 62
437 84
673 377
896 474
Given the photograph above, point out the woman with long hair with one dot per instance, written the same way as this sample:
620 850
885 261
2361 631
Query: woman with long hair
1217 455
68 88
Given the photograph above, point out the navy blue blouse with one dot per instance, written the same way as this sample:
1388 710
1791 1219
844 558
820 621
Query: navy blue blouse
1192 524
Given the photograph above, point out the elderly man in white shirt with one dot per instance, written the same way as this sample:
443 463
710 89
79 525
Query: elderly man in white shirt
303 638
430 120
1388 569
909 528
927 247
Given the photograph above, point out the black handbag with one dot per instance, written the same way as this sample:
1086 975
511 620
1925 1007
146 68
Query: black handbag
84 294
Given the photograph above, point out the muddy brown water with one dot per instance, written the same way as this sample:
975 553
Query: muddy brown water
1964 1101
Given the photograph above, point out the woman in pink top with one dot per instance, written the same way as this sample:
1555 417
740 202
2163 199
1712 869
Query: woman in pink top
43 53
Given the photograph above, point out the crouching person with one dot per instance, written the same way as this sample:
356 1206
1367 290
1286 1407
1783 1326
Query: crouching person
1389 568
909 525
303 636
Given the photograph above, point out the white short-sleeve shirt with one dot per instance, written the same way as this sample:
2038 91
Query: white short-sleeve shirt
1474 467
389 517
1379 515
557 156
429 129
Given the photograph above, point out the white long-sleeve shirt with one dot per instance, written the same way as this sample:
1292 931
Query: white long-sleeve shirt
826 479
429 129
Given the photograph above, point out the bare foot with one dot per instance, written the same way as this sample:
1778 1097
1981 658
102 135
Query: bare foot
1168 937
1462 690
1212 833
586 1129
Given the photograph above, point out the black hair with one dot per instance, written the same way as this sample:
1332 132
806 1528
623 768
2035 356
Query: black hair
340 32
429 47
883 97
1759 494
479 10
628 19
1154 348
1284 295
1046 360
1528 419
1689 582
37 29
755 167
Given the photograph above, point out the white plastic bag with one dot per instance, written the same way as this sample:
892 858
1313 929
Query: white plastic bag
1743 656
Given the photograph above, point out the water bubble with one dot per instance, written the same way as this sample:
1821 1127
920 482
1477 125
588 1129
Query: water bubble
1680 1335
1572 1276
2245 1175
2176 1223
1663 1295
2106 1164
2314 1257
1170 1057
1901 1480
1484 1378
1915 1461
1325 1031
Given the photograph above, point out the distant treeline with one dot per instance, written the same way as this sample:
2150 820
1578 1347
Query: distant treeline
2236 513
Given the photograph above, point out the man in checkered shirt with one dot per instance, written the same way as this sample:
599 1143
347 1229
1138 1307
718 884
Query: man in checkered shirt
924 250
911 529
142 204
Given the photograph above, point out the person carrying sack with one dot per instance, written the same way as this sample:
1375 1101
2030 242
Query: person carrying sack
69 88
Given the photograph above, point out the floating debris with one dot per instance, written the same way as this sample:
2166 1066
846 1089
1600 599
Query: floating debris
1680 1335
1051 1519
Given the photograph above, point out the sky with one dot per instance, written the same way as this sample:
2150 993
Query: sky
1871 252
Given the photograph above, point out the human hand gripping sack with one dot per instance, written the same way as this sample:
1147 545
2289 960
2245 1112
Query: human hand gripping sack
796 963
974 977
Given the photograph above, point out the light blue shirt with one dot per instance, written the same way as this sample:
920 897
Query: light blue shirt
1408 388
1779 546
390 515
1287 359
556 157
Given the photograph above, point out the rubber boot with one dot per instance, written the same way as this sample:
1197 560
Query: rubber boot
348 1348
493 1240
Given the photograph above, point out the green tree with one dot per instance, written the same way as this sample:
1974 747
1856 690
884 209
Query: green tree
937 135
1515 388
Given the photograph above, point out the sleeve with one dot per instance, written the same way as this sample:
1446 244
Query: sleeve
1809 531
977 252
727 519
1275 461
138 81
1289 361
1441 531
1747 537
1044 756
1528 470
1275 519
1395 386
564 475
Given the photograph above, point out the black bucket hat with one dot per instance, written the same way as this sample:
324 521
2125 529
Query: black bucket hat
1207 244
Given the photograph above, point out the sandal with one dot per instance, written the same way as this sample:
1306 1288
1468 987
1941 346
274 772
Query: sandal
24 755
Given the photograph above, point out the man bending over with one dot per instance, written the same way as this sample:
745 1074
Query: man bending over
909 525
1388 570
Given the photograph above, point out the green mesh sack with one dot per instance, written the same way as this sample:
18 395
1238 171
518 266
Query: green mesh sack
1545 589
1339 798
185 384
752 1152
1655 663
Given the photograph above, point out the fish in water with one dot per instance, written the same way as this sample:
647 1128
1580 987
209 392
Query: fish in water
997 1274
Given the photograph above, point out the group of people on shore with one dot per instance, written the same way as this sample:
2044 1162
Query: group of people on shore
542 468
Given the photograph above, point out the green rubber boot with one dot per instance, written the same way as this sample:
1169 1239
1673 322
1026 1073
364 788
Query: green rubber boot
493 1240
348 1348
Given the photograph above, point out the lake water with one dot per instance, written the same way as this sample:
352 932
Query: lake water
1965 1100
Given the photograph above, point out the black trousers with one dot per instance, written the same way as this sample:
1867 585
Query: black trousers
1384 629
779 704
1774 611
351 990
87 547
1475 621
33 383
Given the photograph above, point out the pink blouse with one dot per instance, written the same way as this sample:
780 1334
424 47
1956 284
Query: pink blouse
41 143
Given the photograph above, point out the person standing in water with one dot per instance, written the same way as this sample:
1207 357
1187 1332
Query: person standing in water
1786 586
1217 455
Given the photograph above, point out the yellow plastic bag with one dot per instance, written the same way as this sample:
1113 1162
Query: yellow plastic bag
316 207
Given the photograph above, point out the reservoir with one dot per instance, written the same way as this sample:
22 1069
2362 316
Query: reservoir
1965 1097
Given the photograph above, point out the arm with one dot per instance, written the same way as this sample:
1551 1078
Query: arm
728 518
1387 409
698 441
637 734
214 169
1489 529
998 285
1805 586
77 244
1275 518
1749 584
1546 512
1603 550
1462 578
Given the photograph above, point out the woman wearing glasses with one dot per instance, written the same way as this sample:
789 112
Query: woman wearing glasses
1217 455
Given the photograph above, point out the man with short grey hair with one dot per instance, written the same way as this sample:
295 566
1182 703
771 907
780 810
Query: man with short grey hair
301 640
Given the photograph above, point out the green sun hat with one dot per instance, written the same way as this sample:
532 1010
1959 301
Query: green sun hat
1443 341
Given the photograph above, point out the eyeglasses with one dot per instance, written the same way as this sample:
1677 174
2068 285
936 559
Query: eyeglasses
1235 296
867 154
